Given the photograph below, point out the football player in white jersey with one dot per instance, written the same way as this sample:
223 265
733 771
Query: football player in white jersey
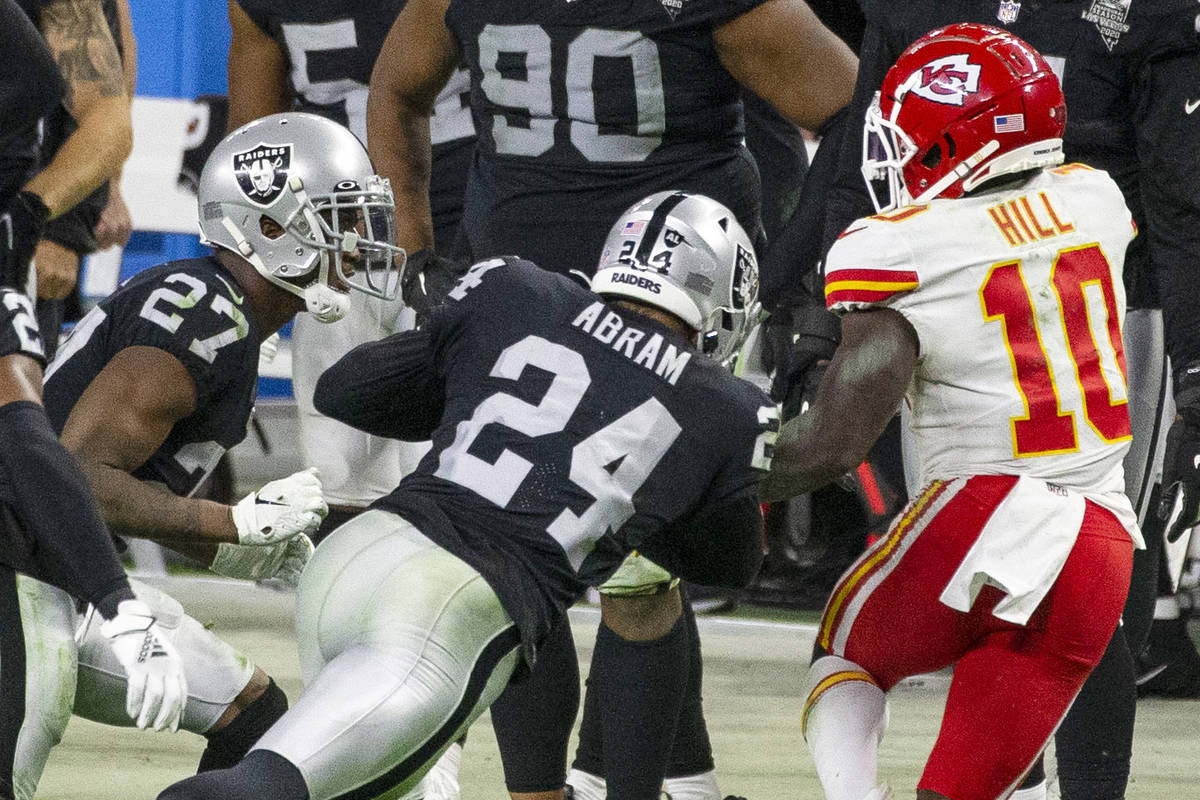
987 295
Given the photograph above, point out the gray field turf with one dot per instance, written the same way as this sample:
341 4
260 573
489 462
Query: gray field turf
753 677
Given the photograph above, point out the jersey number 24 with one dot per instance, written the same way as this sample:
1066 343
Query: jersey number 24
635 442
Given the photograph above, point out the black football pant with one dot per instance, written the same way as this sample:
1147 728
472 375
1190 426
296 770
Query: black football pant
12 677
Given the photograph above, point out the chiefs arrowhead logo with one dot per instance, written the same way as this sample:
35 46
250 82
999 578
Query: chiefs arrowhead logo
948 80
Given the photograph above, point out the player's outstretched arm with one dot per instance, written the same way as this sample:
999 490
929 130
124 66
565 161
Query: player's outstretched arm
258 80
386 388
124 416
83 47
860 392
783 52
417 59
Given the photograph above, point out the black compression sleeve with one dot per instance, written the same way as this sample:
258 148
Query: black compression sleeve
722 547
69 545
386 388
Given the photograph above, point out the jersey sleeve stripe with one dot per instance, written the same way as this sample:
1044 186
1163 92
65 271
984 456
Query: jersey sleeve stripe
858 296
872 275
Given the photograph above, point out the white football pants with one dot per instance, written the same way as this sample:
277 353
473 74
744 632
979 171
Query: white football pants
402 645
71 669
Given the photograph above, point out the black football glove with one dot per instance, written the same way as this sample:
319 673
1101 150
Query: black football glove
427 279
1180 504
816 334
21 226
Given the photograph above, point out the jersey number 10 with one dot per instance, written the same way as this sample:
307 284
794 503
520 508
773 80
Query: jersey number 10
1005 296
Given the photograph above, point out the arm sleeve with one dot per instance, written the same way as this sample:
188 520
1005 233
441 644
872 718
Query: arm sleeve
30 83
1169 155
722 547
385 388
67 544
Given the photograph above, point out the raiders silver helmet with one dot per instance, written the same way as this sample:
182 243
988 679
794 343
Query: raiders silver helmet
295 195
686 254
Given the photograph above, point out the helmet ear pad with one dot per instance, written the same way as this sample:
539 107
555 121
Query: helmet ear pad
964 104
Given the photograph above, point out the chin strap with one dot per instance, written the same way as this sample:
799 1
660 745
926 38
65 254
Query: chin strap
326 304
960 172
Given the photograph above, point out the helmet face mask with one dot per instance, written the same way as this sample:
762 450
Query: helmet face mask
295 195
962 105
687 255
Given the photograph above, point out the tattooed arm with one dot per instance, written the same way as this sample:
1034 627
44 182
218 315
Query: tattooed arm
87 57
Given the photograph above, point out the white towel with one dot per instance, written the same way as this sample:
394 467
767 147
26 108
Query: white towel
1020 550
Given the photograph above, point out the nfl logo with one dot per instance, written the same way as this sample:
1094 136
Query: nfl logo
1008 11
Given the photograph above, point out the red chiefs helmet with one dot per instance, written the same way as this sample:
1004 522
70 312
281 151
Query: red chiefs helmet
963 104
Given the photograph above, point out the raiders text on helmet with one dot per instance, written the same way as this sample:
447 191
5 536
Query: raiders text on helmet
686 254
296 196
962 105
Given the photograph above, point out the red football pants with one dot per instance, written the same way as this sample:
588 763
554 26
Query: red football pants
1012 684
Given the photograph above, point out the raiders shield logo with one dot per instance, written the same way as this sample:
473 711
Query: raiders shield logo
262 171
745 277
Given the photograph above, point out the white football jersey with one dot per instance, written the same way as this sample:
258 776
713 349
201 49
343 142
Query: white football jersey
1017 300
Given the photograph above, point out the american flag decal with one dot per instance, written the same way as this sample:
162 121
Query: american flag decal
1009 123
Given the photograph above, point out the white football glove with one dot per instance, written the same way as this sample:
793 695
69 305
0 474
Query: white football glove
157 688
283 560
268 349
281 509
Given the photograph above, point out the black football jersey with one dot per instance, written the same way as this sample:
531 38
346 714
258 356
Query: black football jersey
30 87
570 436
194 310
583 108
18 327
331 47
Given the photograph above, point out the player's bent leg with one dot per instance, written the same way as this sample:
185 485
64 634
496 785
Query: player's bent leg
230 701
843 722
216 673
533 718
410 645
691 773
638 676
1010 692
48 620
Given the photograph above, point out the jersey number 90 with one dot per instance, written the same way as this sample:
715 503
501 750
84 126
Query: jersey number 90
531 94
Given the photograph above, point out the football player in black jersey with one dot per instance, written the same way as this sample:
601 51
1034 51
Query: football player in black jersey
1127 72
317 56
581 108
158 380
49 527
562 440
